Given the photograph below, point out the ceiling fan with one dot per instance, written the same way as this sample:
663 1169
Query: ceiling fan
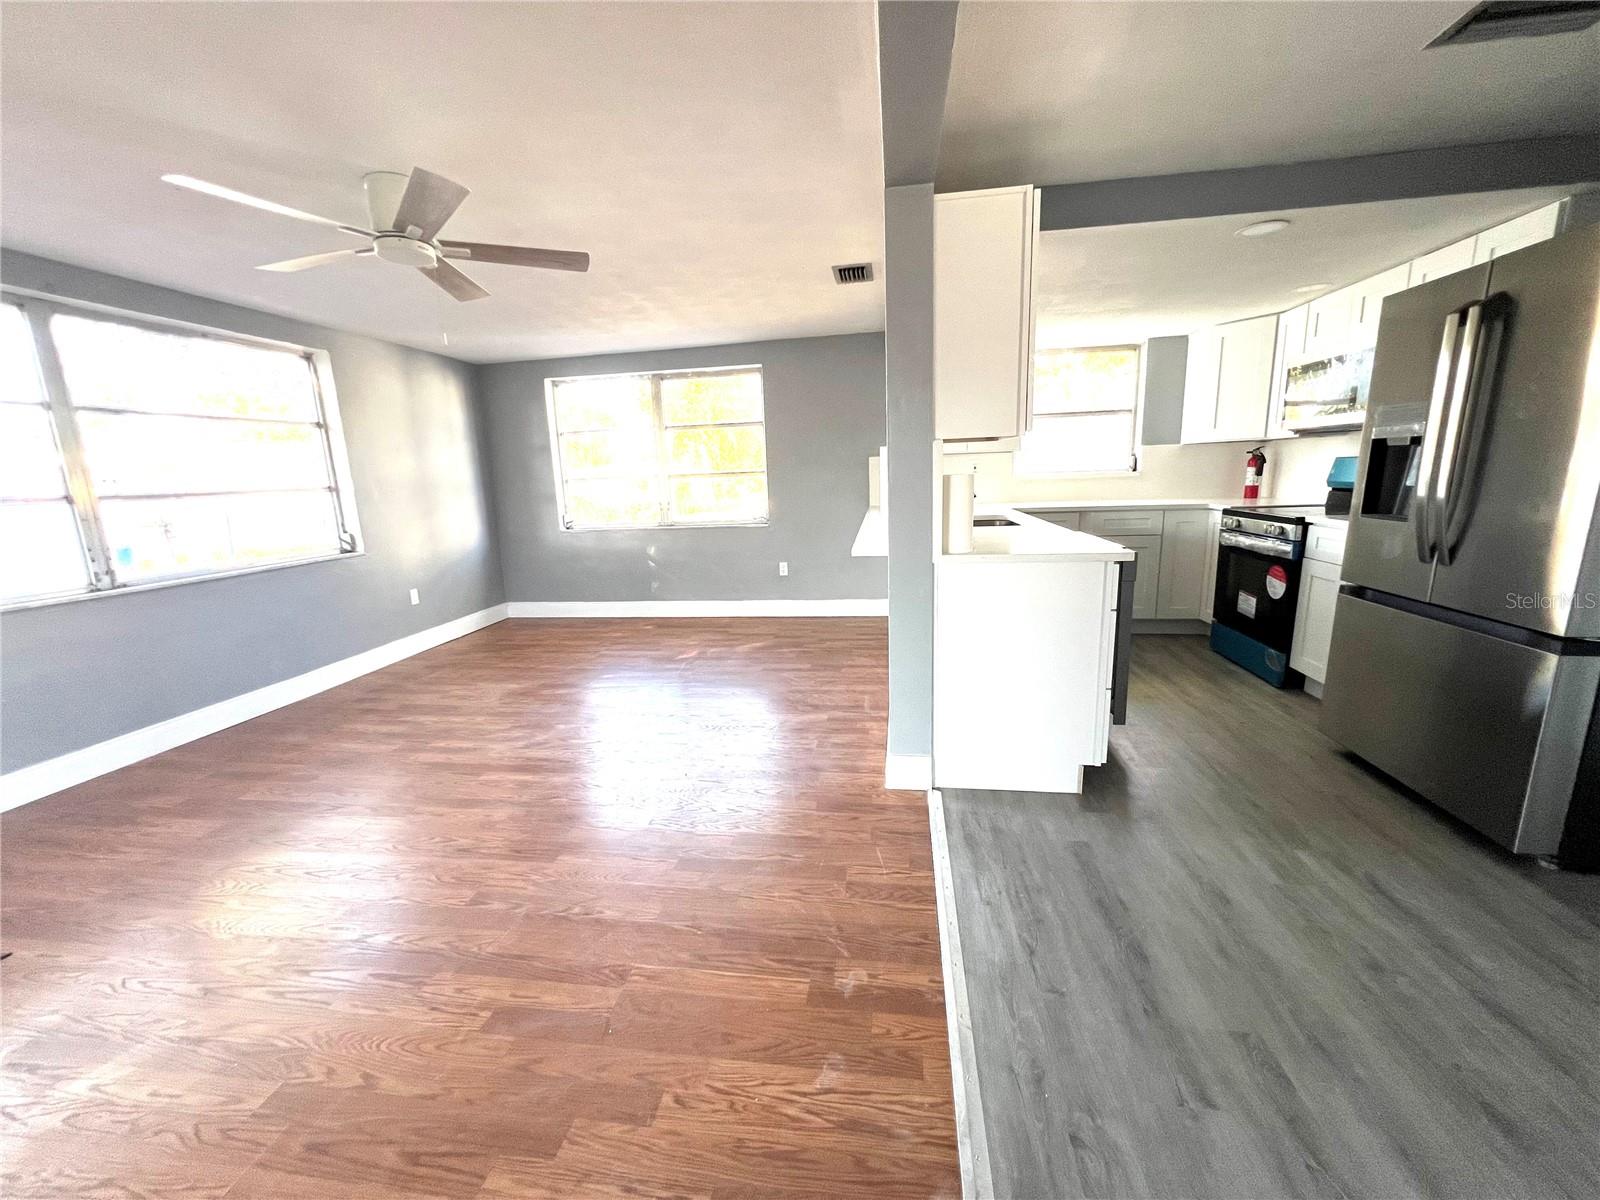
407 212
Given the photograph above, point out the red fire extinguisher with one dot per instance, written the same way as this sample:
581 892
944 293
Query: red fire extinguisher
1255 466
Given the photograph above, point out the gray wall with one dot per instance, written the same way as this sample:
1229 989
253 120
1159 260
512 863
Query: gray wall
908 314
1166 360
79 672
824 417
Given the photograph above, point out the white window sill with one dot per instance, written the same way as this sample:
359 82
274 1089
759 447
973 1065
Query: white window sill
664 528
157 584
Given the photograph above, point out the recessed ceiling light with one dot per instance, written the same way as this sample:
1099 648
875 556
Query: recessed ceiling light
1262 228
1313 287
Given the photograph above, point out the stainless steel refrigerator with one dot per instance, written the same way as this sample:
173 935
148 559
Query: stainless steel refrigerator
1466 642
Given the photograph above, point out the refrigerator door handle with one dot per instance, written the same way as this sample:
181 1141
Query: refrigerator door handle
1455 475
1422 519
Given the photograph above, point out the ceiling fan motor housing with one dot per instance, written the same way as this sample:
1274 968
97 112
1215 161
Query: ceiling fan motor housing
405 251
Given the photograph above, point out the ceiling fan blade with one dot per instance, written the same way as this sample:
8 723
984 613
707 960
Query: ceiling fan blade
517 256
427 204
311 260
454 282
283 210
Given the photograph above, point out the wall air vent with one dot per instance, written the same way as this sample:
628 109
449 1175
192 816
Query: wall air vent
1519 18
853 273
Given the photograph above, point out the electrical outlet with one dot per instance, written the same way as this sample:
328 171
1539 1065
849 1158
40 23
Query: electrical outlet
415 599
783 568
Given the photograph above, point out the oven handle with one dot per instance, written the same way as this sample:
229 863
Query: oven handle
1271 547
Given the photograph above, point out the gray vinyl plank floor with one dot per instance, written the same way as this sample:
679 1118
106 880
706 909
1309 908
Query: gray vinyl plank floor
1243 965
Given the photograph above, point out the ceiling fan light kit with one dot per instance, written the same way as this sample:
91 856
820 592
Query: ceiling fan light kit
406 212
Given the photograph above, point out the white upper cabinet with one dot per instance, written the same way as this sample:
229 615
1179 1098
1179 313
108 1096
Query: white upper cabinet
983 312
1228 382
1525 230
1446 260
1368 304
1328 323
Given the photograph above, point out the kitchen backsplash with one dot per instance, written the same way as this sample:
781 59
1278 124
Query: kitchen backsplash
1297 472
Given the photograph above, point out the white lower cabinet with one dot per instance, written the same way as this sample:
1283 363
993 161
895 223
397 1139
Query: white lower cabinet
1313 619
1208 588
1147 572
1185 542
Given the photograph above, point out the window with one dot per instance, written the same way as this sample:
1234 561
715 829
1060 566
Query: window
1085 407
674 448
135 453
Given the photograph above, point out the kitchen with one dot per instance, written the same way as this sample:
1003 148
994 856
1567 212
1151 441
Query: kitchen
1138 911
1123 383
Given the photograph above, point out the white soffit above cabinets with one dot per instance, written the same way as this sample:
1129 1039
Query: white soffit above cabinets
715 160
1119 283
1068 92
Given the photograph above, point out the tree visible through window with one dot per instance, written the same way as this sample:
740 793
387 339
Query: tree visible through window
674 448
1085 403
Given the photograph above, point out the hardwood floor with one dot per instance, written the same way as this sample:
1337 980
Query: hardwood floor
594 909
1254 968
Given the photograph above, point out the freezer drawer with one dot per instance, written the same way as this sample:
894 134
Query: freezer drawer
1488 728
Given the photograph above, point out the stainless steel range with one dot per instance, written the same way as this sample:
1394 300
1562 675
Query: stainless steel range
1258 586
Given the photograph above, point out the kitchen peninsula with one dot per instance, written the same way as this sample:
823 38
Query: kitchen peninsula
1025 654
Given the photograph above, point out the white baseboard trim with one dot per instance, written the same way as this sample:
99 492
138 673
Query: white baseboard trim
698 608
907 772
972 1140
78 766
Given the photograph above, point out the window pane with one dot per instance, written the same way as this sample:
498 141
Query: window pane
1093 379
719 498
604 402
138 454
111 365
1088 442
41 553
19 369
709 448
30 464
608 452
710 399
602 502
150 539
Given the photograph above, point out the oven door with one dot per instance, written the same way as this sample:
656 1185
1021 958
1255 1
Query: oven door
1258 582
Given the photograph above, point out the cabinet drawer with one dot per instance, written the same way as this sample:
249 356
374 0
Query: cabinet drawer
1107 522
1067 520
1325 543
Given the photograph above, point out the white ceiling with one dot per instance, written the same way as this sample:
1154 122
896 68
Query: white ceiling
1067 91
1125 283
715 160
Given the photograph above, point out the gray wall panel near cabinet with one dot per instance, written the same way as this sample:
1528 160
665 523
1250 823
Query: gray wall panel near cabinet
76 673
824 419
1164 364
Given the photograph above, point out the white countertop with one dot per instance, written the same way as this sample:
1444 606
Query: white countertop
1028 540
1033 540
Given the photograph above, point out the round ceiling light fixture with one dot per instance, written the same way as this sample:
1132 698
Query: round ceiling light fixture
1262 228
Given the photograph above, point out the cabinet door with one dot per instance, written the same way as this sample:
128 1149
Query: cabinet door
1208 589
1200 387
1244 378
1446 260
1515 234
1313 619
1369 294
1147 574
1183 563
1329 321
983 319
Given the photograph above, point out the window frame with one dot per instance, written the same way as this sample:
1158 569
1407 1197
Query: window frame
37 308
662 431
1134 458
